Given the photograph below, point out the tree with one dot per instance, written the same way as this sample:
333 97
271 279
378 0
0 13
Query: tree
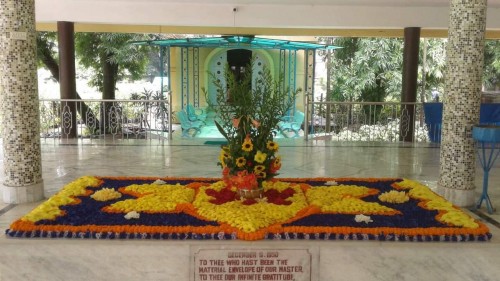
111 57
432 56
367 69
491 76
46 46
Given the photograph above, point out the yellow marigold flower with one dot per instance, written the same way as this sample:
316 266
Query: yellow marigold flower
394 196
259 168
240 162
260 157
250 218
247 145
49 209
106 194
271 145
459 218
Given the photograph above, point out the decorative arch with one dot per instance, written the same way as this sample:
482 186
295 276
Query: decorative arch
217 59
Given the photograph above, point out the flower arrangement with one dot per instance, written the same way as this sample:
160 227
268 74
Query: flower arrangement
248 111
204 208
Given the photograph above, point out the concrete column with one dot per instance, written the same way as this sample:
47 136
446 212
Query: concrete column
464 66
410 73
67 79
19 103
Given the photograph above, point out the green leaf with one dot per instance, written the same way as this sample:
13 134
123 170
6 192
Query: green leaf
221 130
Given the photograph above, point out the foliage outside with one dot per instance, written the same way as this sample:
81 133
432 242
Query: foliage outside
247 117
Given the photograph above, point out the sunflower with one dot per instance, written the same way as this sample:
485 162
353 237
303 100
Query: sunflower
247 145
223 156
240 162
261 175
259 168
277 161
271 145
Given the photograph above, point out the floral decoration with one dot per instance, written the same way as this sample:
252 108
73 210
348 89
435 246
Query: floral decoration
106 194
447 212
248 112
256 215
51 208
394 196
153 198
346 199
201 208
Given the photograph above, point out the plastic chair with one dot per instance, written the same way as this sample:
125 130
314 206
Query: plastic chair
188 125
292 123
195 114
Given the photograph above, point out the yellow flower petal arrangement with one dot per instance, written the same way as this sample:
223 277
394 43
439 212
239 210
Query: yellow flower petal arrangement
250 218
203 208
447 212
50 209
106 194
394 196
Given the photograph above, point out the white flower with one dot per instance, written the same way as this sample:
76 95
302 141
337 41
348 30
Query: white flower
261 200
363 218
159 182
331 183
132 215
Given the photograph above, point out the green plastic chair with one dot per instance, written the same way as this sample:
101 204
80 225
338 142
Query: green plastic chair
195 114
291 123
188 125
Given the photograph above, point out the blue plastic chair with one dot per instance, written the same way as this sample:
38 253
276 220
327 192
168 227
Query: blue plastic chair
195 114
292 123
188 125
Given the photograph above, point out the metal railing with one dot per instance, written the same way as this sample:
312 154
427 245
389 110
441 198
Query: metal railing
365 121
97 119
152 120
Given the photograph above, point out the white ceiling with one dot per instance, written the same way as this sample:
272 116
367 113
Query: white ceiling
316 15
408 3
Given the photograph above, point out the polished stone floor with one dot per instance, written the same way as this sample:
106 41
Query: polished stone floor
64 161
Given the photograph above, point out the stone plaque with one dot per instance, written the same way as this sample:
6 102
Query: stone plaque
18 35
233 263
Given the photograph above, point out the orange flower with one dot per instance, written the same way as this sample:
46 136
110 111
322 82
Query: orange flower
244 180
255 123
236 122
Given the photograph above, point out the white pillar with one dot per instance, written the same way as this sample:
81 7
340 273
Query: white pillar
462 97
20 121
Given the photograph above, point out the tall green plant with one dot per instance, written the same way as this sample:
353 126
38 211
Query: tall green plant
248 115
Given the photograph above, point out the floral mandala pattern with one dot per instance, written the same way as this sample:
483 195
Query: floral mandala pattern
202 208
251 216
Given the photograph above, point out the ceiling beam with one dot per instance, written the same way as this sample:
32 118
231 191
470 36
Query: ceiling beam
336 32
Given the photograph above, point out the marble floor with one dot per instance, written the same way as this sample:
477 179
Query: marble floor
64 161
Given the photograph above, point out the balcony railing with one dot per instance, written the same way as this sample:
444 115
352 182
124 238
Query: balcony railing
366 121
115 119
152 120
